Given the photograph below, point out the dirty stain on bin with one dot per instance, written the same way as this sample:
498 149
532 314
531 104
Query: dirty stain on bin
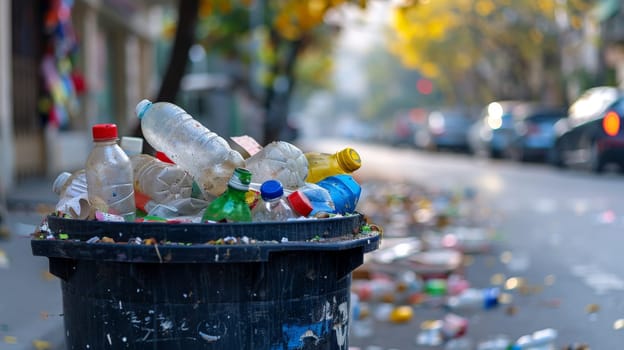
268 294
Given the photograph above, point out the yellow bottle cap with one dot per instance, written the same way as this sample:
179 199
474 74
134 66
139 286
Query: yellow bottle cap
349 159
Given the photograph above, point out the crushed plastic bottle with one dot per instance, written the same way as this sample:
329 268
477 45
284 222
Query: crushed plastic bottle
344 191
231 206
204 154
322 165
109 174
454 326
73 194
162 182
459 344
430 334
474 299
153 208
319 197
280 161
273 206
498 342
539 340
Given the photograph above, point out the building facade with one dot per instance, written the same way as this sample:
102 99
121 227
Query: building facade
113 60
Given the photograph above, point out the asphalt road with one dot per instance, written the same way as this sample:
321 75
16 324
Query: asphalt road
560 230
561 226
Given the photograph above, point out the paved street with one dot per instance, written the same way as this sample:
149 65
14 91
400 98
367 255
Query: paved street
563 227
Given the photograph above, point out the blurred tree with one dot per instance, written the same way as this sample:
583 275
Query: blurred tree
394 88
485 49
268 46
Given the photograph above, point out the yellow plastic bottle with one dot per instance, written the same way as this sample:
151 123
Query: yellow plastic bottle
322 165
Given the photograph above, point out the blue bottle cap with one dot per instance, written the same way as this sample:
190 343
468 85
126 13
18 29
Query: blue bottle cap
490 298
271 189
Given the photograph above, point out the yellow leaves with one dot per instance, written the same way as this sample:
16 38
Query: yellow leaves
546 7
484 7
297 17
430 70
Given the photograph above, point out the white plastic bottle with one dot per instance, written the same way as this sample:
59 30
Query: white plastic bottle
162 182
72 191
109 174
204 154
131 145
272 206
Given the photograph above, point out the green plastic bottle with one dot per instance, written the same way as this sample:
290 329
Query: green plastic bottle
231 205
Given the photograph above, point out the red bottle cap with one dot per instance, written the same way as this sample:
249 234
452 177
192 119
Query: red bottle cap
104 132
163 157
300 203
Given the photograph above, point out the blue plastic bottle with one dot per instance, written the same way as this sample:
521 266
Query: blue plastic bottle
344 191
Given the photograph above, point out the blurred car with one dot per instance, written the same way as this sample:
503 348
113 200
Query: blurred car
492 133
591 136
534 131
445 129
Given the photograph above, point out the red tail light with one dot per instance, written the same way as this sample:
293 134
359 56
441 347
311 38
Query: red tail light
611 123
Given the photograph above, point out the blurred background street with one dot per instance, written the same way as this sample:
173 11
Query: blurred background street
510 110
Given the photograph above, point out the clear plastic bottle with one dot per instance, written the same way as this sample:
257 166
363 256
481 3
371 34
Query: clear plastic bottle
322 165
280 161
231 206
204 154
273 206
109 174
71 188
344 191
162 182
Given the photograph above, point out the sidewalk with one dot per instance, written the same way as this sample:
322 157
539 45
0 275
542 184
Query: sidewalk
31 303
31 194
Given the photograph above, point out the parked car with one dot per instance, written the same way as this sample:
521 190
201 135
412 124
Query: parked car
492 133
591 136
534 131
446 128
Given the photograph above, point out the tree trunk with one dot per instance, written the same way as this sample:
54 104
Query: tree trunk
184 39
277 103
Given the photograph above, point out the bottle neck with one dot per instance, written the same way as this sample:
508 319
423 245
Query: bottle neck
105 142
236 193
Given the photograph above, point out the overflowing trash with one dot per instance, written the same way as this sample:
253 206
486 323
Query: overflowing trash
196 177
250 227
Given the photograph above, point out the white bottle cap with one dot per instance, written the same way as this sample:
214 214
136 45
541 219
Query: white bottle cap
57 186
141 107
132 145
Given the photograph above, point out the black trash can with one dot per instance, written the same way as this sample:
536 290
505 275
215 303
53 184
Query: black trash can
283 285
